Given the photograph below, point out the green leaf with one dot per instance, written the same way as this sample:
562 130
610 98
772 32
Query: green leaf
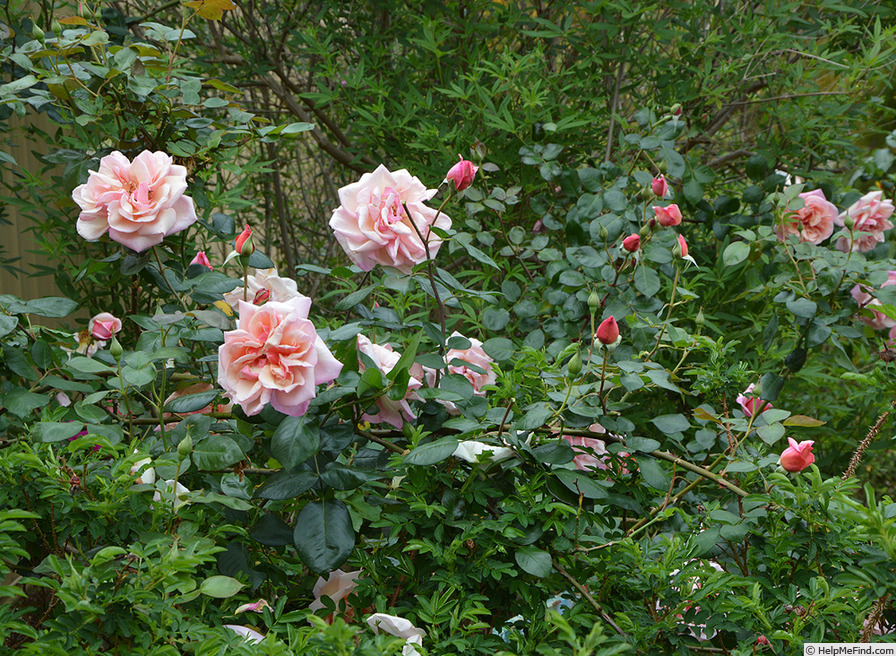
771 386
642 444
647 281
52 306
343 477
323 536
804 421
693 191
704 541
88 365
296 128
671 423
7 324
802 307
536 415
495 319
354 298
216 452
294 441
220 587
771 433
21 402
534 561
652 473
272 531
57 431
432 452
499 348
191 402
286 485
579 482
735 253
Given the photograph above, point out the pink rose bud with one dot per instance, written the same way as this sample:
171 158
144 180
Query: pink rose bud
682 246
632 242
202 259
659 186
750 404
103 326
668 216
607 331
244 241
798 455
462 174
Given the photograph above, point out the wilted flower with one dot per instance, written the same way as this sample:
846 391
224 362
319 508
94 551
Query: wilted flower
385 359
337 586
251 635
399 627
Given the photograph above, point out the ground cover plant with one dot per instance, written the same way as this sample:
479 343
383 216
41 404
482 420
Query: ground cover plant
615 379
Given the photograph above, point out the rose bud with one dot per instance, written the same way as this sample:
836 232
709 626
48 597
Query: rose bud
632 242
798 455
462 174
668 216
103 326
202 259
607 331
682 247
659 186
244 242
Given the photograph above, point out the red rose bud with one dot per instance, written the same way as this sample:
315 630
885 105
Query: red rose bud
261 296
462 174
761 640
682 246
244 243
668 216
202 259
659 186
798 455
632 242
607 331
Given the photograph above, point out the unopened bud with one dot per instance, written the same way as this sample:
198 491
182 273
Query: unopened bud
645 231
675 110
115 349
185 447
56 27
37 33
699 319
849 222
603 234
593 301
574 366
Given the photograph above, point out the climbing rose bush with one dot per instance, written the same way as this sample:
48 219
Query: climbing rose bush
138 203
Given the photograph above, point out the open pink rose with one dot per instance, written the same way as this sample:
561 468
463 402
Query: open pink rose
871 216
385 359
138 203
750 404
878 320
275 356
376 222
798 455
813 222
104 325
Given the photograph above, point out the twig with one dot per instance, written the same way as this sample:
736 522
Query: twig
872 433
584 592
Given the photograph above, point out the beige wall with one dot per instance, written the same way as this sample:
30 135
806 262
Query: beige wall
15 239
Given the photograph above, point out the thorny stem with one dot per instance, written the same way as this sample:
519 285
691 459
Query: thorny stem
584 592
872 433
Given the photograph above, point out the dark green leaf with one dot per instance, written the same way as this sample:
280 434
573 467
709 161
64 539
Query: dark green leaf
652 473
56 431
534 561
294 441
272 531
323 536
432 452
191 402
499 348
286 485
216 452
7 324
671 423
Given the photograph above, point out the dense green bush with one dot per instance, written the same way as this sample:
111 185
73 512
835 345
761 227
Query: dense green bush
535 438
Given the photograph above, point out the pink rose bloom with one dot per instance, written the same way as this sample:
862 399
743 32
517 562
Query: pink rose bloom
871 216
591 452
337 586
138 203
812 223
385 359
476 356
103 326
376 222
798 455
275 356
879 321
263 286
462 174
659 186
667 216
750 404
